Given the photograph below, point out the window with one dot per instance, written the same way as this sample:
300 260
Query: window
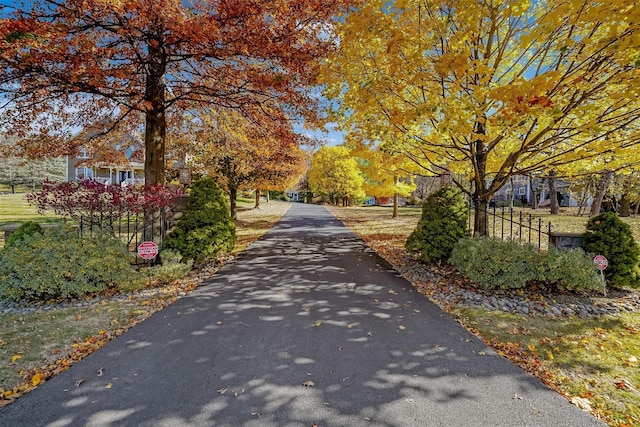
83 172
83 153
522 191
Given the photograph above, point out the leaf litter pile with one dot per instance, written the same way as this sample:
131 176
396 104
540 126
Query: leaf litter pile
593 362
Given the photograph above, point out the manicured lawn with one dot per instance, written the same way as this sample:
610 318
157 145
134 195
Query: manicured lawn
14 209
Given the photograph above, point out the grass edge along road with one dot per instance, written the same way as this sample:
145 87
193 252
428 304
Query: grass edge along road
37 345
593 362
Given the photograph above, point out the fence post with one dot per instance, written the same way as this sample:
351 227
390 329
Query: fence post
539 233
494 220
511 223
502 223
520 227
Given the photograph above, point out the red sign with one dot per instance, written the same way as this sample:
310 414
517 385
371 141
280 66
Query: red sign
148 250
601 262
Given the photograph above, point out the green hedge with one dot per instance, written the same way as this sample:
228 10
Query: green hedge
29 228
497 264
61 264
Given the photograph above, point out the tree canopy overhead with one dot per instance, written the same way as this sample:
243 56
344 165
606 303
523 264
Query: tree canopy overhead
112 66
490 89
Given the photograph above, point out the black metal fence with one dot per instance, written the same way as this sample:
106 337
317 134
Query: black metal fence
506 224
133 229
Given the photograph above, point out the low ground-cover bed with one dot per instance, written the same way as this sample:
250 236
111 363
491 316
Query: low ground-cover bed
593 361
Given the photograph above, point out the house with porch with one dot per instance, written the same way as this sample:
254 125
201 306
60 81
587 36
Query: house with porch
80 167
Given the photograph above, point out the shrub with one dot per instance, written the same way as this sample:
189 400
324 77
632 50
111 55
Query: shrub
497 264
206 228
99 205
443 223
608 235
171 268
61 264
29 228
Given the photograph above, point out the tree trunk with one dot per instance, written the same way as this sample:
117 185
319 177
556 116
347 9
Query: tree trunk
601 190
636 207
481 220
155 118
395 198
512 193
233 194
480 197
625 206
553 193
257 206
268 196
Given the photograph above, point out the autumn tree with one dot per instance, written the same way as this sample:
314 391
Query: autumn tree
110 67
241 154
386 174
489 89
15 171
335 173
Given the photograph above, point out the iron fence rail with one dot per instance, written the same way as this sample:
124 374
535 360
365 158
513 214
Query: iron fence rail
505 224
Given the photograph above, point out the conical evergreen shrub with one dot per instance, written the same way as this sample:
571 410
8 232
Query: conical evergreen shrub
608 235
206 228
443 223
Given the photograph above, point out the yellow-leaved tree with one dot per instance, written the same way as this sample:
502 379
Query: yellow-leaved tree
489 89
335 173
386 174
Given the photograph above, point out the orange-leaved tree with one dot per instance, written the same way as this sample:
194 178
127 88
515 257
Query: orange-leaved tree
243 155
114 66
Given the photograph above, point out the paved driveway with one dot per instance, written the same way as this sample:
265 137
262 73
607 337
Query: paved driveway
308 327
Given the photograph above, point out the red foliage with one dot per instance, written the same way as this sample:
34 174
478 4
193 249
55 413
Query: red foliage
102 204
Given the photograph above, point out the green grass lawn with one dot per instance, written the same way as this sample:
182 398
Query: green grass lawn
14 209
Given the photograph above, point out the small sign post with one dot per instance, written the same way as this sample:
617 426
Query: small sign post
184 175
148 251
601 263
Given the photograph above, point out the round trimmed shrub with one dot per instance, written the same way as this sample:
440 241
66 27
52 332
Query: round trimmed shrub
608 235
29 228
61 264
206 228
443 223
497 264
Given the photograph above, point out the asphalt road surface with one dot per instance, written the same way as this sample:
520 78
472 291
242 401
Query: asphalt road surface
308 327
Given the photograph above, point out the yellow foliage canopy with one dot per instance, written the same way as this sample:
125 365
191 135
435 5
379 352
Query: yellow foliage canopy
490 89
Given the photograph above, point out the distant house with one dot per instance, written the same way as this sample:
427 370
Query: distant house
522 188
518 187
295 195
79 168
